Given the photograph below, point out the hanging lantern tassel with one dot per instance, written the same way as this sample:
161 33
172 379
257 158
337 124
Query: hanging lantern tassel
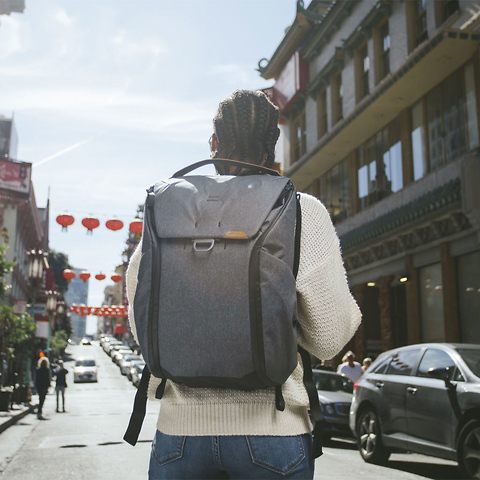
90 223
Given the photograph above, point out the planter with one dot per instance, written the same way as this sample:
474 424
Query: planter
5 401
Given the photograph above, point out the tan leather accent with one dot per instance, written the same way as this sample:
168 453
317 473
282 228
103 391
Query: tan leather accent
236 234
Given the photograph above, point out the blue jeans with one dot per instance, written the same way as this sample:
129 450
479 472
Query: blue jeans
229 457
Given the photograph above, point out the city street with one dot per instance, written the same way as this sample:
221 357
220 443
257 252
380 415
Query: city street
86 441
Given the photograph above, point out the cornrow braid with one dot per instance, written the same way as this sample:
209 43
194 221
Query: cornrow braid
246 128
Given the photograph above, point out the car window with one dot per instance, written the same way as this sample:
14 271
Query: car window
435 358
472 359
403 362
85 363
382 367
332 383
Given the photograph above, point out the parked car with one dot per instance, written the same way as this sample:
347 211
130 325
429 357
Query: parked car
108 345
136 374
335 393
118 354
85 370
133 365
125 363
421 398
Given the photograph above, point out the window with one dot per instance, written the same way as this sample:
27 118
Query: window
299 137
337 97
444 125
434 359
380 165
322 112
420 163
335 191
444 9
431 303
420 23
385 50
468 275
363 71
383 366
471 103
403 362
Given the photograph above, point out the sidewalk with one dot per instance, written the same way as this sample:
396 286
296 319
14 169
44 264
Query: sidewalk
7 419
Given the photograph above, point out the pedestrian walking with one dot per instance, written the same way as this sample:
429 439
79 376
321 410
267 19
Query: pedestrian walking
350 368
367 361
210 432
42 383
60 384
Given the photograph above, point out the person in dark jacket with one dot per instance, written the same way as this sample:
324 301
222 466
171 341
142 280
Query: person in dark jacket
61 384
42 382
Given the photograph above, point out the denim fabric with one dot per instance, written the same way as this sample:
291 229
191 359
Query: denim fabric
230 457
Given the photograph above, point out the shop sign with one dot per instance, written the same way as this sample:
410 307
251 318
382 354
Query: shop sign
15 176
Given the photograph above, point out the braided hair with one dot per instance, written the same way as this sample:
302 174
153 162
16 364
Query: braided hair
246 127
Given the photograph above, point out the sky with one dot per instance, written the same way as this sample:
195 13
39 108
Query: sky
110 96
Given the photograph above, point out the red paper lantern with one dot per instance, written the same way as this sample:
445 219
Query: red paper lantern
84 275
69 274
65 220
90 223
100 276
116 278
136 226
114 224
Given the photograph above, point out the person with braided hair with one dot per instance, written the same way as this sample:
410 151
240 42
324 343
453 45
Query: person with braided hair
222 433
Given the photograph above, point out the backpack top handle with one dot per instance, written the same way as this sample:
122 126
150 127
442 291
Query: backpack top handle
223 161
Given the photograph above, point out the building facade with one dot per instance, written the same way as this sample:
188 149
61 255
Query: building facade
77 293
380 107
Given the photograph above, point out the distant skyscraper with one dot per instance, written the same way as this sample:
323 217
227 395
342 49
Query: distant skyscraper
8 138
78 293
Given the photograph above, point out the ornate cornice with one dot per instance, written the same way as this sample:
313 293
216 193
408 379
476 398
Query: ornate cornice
323 77
381 10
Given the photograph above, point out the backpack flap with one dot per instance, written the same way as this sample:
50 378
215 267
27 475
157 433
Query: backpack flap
214 207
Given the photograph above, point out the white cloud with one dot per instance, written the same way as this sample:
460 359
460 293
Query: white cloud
63 18
127 47
10 37
234 74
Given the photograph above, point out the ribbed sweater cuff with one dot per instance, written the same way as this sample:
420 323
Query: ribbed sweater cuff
232 419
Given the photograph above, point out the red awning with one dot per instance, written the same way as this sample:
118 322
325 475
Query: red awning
119 329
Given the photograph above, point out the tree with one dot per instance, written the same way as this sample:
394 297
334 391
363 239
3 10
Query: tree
58 343
5 268
58 262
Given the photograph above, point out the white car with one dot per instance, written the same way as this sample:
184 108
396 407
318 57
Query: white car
85 370
126 362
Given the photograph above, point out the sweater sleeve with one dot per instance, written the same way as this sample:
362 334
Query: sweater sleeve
328 313
131 277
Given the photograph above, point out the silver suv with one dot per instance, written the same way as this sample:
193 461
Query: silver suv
421 398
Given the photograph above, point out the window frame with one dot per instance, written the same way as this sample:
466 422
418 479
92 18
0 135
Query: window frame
322 113
420 16
295 141
336 86
362 55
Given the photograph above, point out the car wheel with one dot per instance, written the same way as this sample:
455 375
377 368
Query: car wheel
369 438
469 450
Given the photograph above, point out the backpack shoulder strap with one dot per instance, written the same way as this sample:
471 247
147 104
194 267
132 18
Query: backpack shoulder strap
315 410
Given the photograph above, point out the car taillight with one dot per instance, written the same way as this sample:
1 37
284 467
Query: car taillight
355 386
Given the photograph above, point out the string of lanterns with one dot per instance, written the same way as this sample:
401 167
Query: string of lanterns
84 275
91 223
103 311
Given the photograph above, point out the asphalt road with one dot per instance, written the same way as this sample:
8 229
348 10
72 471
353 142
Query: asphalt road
86 441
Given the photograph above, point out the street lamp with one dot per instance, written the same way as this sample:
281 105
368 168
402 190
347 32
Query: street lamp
51 310
37 264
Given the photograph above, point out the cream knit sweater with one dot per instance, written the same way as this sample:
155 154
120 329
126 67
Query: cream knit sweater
328 318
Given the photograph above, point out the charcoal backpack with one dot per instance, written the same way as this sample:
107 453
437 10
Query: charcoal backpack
216 303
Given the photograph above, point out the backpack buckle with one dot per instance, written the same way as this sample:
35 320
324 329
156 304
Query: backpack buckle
203 245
